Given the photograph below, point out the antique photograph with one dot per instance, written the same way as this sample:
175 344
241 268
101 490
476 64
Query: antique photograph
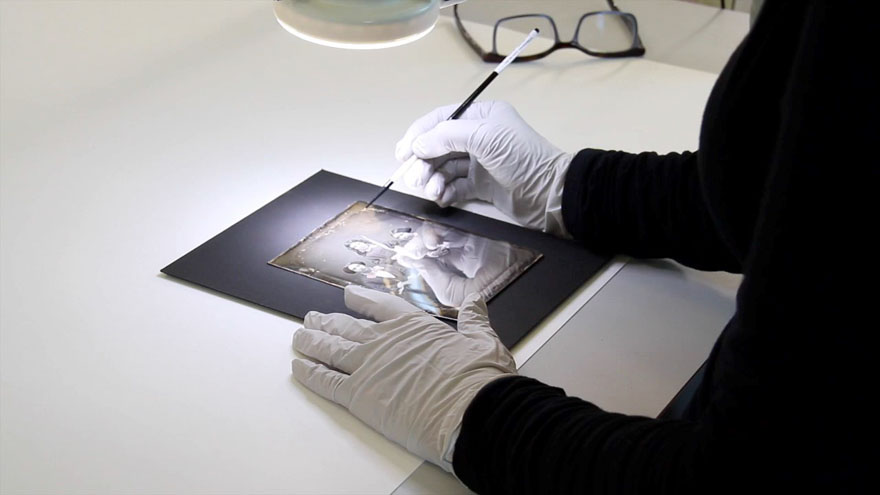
431 265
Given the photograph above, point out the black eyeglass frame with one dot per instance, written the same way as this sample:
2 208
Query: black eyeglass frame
637 50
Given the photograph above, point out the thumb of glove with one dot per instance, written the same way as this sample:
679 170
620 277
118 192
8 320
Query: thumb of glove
473 318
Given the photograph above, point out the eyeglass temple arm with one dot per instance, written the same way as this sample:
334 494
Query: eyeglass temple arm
470 40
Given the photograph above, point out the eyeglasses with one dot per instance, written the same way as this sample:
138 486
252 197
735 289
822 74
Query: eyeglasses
608 34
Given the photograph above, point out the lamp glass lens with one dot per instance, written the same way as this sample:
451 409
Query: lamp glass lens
364 12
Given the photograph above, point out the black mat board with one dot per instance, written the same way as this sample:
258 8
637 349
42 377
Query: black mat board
235 262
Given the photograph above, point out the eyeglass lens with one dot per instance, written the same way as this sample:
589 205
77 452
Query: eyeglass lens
509 34
606 32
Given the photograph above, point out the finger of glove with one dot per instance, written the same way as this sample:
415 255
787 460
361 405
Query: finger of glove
458 190
447 137
435 186
473 319
479 110
379 306
332 350
320 379
342 325
451 170
403 149
456 167
417 175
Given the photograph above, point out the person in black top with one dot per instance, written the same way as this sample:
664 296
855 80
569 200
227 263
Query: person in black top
783 189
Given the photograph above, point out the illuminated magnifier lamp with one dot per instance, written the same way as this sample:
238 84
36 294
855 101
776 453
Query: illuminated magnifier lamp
360 24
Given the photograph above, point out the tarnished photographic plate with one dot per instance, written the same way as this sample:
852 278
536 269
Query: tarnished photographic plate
431 265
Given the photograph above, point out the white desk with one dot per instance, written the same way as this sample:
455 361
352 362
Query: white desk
131 132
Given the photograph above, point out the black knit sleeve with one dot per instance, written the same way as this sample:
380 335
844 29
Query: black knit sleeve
643 205
546 442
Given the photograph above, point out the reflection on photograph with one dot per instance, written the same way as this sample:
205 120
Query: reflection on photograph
431 265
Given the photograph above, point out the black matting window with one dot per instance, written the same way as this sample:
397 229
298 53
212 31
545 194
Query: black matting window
235 262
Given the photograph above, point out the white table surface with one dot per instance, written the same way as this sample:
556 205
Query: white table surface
131 132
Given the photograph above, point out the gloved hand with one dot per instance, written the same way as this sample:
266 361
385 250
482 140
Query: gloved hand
408 375
490 153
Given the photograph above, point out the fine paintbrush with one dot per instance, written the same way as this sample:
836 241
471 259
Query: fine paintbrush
461 108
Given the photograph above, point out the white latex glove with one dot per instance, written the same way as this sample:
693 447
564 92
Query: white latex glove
490 153
407 375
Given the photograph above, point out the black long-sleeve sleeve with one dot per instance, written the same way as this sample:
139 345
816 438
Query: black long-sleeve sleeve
793 195
644 205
